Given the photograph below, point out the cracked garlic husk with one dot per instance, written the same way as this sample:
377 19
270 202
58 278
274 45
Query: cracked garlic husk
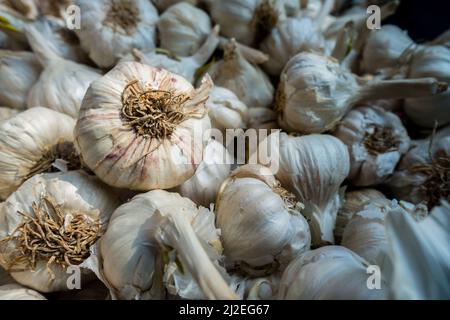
184 66
312 167
423 174
315 92
34 141
203 186
143 128
68 206
19 71
7 113
261 223
112 28
18 292
63 83
329 273
376 141
136 261
226 110
245 79
183 28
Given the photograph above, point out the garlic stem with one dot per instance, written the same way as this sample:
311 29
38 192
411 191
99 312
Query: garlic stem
251 55
325 11
176 231
400 89
342 42
207 49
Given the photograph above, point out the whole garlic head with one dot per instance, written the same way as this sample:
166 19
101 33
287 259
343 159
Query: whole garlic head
328 273
376 140
261 223
183 28
58 203
111 28
143 128
34 141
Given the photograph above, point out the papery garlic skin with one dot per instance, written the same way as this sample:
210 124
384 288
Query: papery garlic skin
183 28
376 140
111 28
203 186
125 157
312 167
27 144
328 273
17 292
226 110
162 5
261 231
6 113
19 70
75 193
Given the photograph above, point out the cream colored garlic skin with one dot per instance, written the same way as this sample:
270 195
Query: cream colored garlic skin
27 141
329 273
226 110
183 28
17 292
6 113
162 5
133 157
262 227
111 28
75 193
19 70
376 140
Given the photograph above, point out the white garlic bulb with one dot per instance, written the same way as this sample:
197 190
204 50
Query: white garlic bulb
183 28
248 21
262 118
329 273
422 175
17 292
261 223
162 5
312 167
186 67
6 113
203 186
143 128
133 263
19 70
376 140
34 141
246 80
63 83
226 110
419 254
73 209
315 92
111 28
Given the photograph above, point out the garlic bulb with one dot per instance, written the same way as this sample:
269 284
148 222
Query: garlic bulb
226 110
143 128
111 28
315 92
186 67
419 254
72 207
431 61
19 70
17 292
246 80
354 202
248 21
423 173
329 273
63 83
312 167
6 113
34 141
261 223
162 5
132 260
376 140
183 28
203 186
262 118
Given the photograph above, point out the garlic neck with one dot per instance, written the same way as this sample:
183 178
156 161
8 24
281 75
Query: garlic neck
264 20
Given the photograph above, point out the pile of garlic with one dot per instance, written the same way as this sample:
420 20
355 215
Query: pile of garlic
221 149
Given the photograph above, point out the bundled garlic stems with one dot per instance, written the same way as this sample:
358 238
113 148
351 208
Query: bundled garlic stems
34 141
143 128
73 209
63 83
